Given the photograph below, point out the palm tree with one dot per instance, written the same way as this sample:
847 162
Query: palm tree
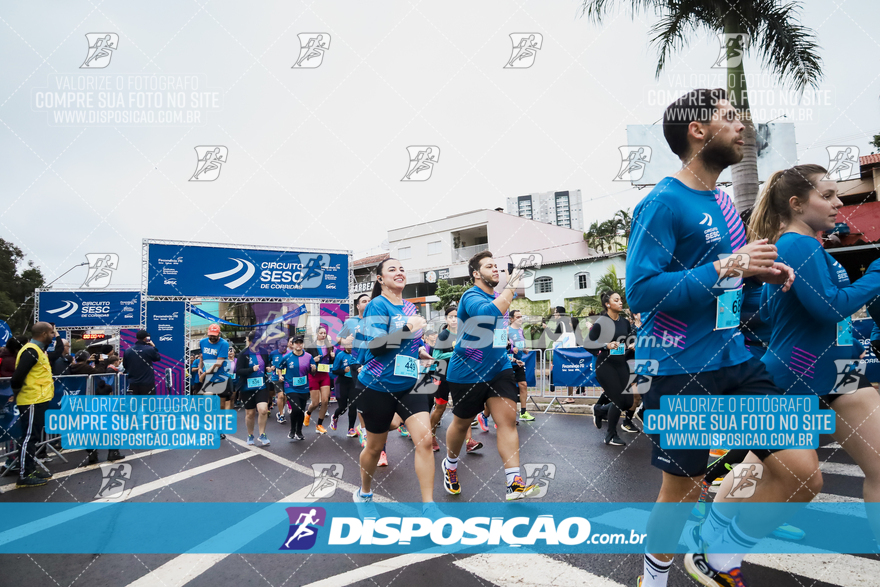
783 45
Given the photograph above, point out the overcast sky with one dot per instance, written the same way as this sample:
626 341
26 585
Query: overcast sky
316 155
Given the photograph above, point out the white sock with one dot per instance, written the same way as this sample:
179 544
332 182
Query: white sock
656 572
733 540
451 464
511 474
714 526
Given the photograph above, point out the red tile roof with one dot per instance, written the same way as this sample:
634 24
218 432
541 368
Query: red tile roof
370 261
868 159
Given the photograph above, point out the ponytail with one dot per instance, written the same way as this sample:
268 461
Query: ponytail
773 210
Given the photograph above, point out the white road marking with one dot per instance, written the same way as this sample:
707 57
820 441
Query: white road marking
369 571
184 568
50 521
63 474
841 469
535 570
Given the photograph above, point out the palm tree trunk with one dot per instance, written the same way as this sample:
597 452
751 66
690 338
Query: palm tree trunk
744 173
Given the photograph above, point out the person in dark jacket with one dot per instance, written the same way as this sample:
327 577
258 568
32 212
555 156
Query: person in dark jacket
8 354
82 366
61 365
250 370
138 364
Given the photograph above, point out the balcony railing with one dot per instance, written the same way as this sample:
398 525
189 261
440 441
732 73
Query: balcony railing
464 254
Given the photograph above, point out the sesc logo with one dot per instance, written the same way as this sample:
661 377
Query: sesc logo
166 338
239 264
66 310
303 532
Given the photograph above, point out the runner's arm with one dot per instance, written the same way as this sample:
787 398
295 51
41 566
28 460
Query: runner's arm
650 285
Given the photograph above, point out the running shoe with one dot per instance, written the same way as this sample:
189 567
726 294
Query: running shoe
639 581
614 441
697 566
717 453
699 511
597 418
365 506
333 421
383 460
291 437
43 474
473 424
31 480
307 418
299 436
279 417
473 445
352 433
640 413
362 436
222 437
481 420
403 431
629 426
435 446
250 439
319 429
450 479
518 489
526 417
789 532
264 440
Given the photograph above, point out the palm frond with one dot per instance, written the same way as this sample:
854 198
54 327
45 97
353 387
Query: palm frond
785 46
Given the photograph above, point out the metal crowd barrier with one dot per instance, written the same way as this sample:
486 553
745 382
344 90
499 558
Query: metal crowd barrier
10 430
560 391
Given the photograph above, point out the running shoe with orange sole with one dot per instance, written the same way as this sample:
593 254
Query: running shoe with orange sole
307 418
383 460
319 429
518 489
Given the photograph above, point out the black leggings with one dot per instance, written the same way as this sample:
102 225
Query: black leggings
296 403
613 377
346 400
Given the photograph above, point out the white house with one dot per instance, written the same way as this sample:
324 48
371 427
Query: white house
557 281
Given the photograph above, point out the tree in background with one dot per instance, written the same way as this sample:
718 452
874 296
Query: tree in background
783 45
876 143
610 235
17 287
448 293
608 282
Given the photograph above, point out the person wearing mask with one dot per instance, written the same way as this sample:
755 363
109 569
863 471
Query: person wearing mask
32 390
138 364
251 370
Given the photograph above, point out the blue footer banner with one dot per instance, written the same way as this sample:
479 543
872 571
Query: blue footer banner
400 528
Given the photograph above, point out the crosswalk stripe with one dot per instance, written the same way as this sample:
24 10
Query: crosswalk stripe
60 518
188 566
530 569
841 469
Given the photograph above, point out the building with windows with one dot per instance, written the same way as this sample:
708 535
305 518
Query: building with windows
563 209
440 249
560 282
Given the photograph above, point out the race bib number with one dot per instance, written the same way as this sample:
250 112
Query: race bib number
728 309
499 341
406 366
520 344
621 349
299 381
254 382
844 332
323 368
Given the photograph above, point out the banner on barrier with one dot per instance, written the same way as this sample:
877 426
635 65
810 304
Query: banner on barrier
90 308
528 357
574 367
862 330
166 323
224 272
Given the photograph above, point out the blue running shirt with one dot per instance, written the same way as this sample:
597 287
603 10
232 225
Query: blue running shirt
805 341
677 235
296 372
383 373
478 360
211 353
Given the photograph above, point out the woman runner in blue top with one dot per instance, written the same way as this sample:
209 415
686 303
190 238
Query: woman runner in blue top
389 372
812 349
